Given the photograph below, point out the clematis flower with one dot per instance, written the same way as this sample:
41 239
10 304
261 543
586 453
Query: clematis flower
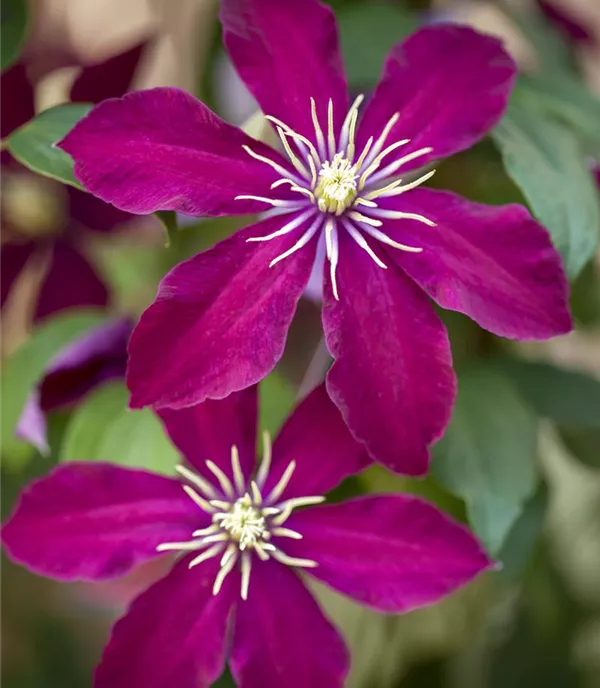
34 223
572 29
94 358
237 592
346 183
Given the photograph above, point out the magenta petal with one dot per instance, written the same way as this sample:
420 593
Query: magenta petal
174 634
495 264
316 437
450 85
18 105
92 213
95 521
162 149
392 378
208 430
570 26
12 260
95 357
287 52
219 321
282 637
392 552
31 426
109 79
71 282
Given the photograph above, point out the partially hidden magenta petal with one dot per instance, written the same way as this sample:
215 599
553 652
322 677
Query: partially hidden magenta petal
71 282
207 431
317 439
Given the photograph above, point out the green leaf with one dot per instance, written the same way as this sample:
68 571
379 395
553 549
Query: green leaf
277 399
547 161
565 396
553 52
168 219
385 26
25 368
565 97
104 429
583 444
225 681
13 24
487 455
33 143
517 549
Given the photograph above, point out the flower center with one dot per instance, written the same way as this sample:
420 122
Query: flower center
245 523
336 188
242 520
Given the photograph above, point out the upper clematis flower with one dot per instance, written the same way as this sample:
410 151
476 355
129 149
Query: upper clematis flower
341 187
236 591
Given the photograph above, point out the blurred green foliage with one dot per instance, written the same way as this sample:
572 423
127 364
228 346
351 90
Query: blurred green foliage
487 455
13 23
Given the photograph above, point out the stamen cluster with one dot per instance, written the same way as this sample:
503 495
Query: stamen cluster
336 191
243 521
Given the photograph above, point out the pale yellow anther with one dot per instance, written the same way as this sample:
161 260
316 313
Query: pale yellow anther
336 185
243 525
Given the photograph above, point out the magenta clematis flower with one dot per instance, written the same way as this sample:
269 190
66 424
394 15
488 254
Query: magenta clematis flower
71 280
346 185
572 29
236 592
96 357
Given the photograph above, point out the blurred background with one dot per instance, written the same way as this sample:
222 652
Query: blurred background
521 460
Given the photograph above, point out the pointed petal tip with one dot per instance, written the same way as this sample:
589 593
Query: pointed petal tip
495 264
494 566
392 552
68 524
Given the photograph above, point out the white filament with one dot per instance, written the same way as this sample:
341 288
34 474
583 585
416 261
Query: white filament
243 522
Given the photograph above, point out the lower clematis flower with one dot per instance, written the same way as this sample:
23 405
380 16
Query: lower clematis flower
346 184
237 591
